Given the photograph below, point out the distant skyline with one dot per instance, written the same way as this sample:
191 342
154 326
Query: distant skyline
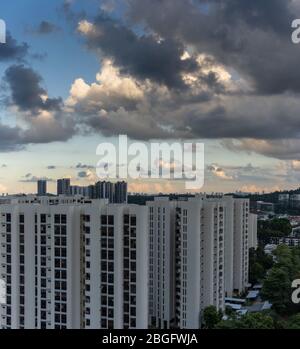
76 73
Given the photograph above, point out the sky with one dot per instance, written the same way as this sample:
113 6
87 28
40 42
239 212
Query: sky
76 73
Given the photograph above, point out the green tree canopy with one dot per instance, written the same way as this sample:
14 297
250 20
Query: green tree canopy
211 317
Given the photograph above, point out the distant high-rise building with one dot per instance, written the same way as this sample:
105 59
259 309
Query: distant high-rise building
284 197
42 187
120 193
63 186
295 200
104 190
78 190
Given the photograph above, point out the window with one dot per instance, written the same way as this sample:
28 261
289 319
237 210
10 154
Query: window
133 220
63 219
104 220
110 220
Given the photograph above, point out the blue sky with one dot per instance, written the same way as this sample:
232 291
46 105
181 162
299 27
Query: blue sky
142 89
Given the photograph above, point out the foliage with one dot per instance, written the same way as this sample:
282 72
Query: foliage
259 264
211 317
277 287
277 228
248 321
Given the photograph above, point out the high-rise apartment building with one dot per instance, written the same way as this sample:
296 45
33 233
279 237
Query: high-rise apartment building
241 245
186 264
42 187
120 192
63 186
115 259
74 263
253 243
161 262
199 259
200 248
105 190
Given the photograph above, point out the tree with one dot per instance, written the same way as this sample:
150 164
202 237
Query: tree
277 228
277 287
211 317
259 264
294 323
248 321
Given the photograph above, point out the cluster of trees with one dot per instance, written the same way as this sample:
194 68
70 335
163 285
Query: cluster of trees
267 320
278 227
259 264
277 276
277 286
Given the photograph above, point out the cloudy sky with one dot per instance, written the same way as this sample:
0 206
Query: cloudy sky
76 73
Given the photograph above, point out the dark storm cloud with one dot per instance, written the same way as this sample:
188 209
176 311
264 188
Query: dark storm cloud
143 56
252 37
16 138
272 117
30 98
12 50
10 138
268 14
26 90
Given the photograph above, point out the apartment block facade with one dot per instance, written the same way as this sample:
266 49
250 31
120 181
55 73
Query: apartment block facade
200 248
74 264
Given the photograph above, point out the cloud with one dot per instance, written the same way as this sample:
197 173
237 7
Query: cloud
144 56
45 28
12 50
29 178
194 70
26 90
109 92
84 166
108 5
83 174
11 138
51 167
219 172
174 69
88 175
41 115
286 149
233 32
